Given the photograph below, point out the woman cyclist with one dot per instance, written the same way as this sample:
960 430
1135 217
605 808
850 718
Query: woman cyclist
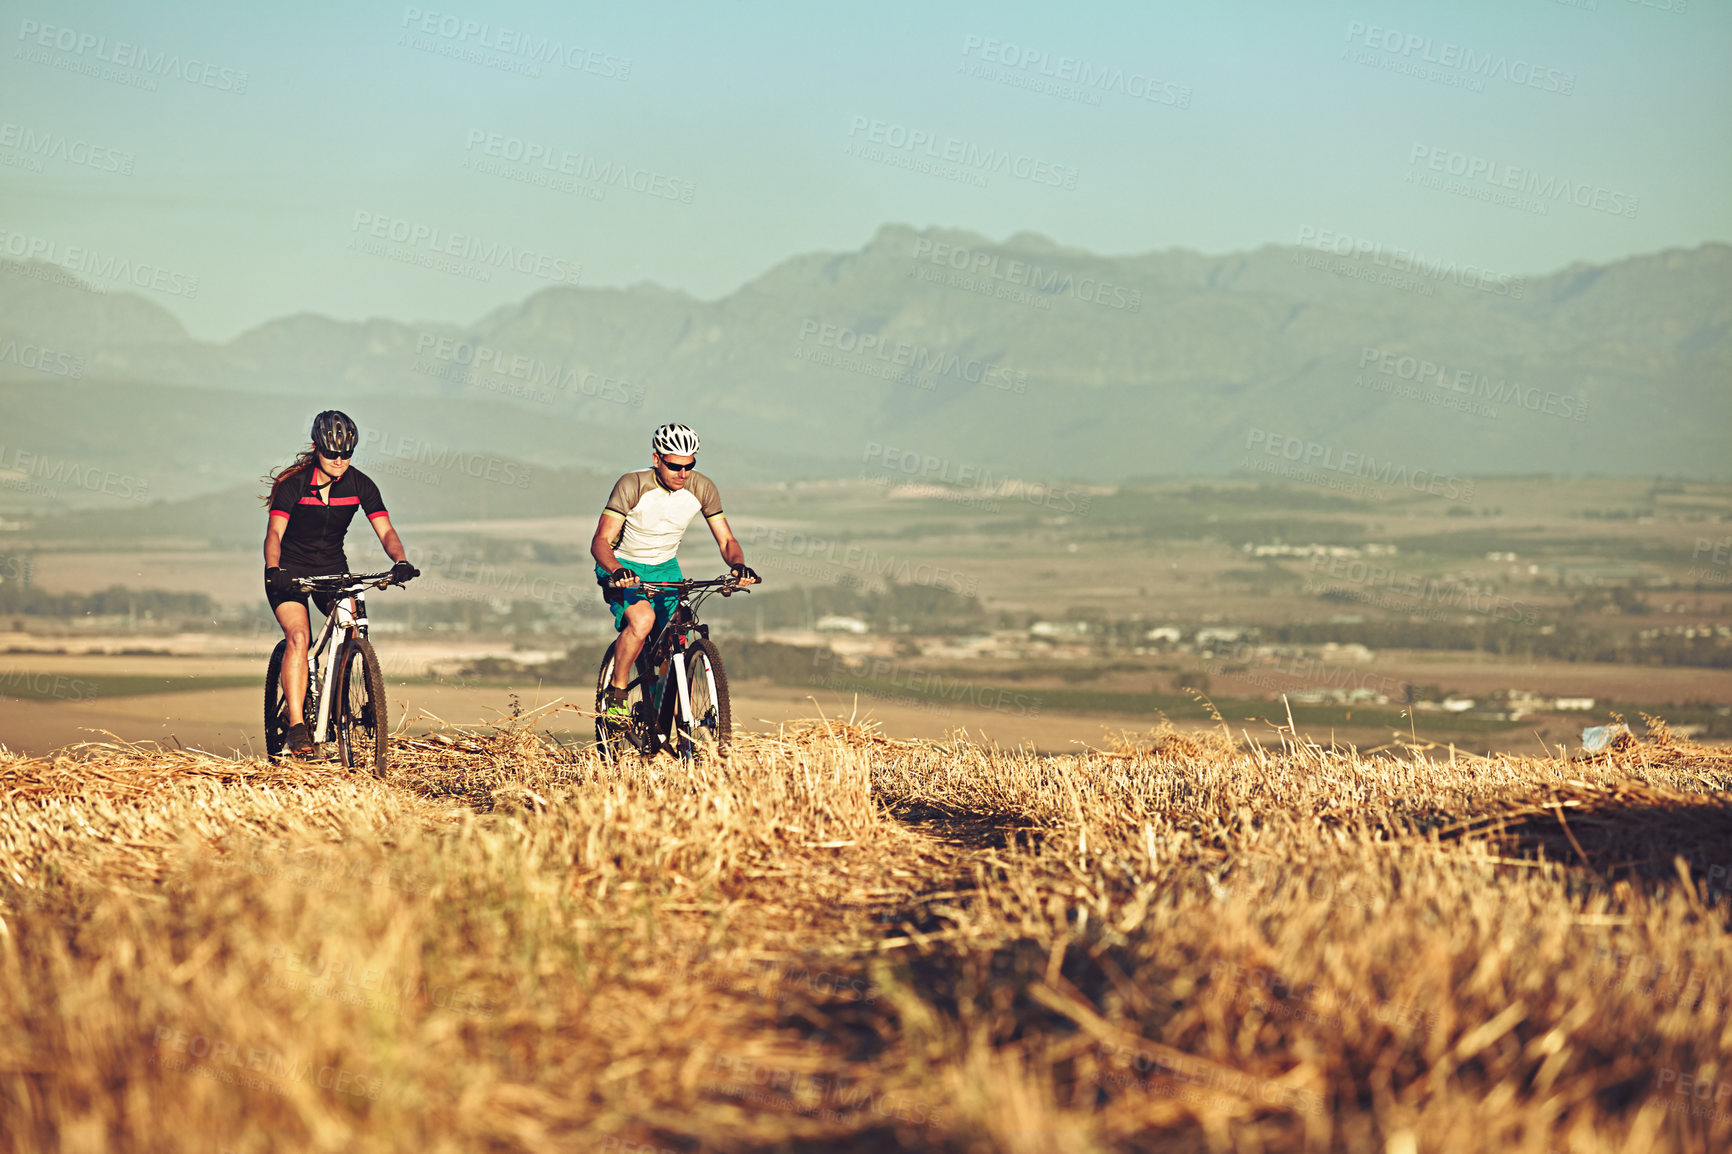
312 502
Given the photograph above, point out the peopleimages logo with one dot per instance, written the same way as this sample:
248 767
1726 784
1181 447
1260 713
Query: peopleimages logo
43 476
890 569
476 579
231 1062
915 362
1277 672
828 1097
1446 594
1162 1072
460 32
1069 76
541 381
37 684
87 46
386 447
1312 455
924 467
1502 391
1498 176
90 262
556 161
433 242
41 145
992 266
1719 552
348 981
1408 260
919 683
42 360
1708 1094
965 157
1452 59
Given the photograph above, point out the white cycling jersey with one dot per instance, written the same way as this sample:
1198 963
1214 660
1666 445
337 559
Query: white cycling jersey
656 517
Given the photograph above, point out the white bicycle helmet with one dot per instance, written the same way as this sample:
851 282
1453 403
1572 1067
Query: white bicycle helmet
675 440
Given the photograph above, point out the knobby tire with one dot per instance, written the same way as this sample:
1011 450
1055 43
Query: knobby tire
363 728
276 703
721 726
609 741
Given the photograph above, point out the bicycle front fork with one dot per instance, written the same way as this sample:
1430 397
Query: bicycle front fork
662 713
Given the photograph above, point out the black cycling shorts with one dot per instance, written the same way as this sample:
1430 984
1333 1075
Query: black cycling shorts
325 601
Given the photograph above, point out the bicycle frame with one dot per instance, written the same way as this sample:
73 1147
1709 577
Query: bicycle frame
669 643
666 725
348 616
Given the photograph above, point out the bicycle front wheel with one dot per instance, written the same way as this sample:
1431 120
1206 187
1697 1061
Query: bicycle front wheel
276 704
360 708
712 724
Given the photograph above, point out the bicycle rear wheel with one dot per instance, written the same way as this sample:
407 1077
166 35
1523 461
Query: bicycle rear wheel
712 724
360 707
276 704
611 738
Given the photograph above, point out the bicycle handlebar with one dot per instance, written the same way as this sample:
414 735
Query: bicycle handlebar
726 586
343 582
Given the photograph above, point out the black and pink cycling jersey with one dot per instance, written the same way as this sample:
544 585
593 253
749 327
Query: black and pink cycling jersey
313 538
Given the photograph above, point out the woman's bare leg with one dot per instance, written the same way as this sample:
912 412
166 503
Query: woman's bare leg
297 629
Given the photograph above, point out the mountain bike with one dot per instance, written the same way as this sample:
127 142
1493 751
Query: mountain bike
679 698
345 687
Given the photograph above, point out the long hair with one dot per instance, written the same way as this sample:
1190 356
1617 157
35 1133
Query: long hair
304 460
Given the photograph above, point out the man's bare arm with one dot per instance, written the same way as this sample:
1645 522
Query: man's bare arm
732 552
601 545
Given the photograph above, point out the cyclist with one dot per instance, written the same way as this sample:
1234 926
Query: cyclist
638 539
312 502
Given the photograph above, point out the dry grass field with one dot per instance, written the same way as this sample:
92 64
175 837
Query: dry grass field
226 721
834 941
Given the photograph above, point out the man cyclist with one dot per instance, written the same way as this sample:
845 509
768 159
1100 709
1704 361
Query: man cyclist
638 539
312 502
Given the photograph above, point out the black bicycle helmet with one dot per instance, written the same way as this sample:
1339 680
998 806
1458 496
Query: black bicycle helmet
334 433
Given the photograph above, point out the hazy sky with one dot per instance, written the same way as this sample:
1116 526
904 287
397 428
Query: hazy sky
128 133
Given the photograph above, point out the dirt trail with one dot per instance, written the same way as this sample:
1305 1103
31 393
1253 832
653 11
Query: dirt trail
227 719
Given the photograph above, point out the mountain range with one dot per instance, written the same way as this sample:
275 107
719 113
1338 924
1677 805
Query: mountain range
1022 357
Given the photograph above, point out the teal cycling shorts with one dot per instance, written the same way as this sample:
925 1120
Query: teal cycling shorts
618 599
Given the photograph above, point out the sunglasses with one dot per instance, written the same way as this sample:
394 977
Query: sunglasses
673 468
336 456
